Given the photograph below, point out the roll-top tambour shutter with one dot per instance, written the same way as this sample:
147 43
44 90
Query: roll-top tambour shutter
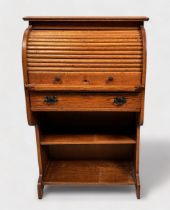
115 49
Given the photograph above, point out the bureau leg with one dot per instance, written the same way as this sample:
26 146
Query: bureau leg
137 187
40 188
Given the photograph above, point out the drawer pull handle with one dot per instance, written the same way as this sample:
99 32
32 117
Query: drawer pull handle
50 99
119 100
110 79
58 78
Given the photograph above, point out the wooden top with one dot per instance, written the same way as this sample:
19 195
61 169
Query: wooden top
86 18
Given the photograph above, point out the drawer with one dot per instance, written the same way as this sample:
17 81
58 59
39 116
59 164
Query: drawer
86 78
85 101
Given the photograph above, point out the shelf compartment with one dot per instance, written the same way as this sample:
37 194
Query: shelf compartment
89 172
55 139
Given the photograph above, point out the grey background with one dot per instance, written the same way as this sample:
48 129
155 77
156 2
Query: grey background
18 160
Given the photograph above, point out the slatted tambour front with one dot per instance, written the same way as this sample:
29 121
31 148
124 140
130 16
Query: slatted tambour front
115 49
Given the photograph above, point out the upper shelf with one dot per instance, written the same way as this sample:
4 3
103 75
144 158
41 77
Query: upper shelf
86 18
54 139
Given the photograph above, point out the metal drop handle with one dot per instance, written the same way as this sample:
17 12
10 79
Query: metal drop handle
50 99
119 100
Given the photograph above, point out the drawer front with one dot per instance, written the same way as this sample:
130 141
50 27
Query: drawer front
84 78
85 101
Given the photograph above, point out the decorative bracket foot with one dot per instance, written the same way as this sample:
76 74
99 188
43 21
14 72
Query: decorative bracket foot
40 187
137 186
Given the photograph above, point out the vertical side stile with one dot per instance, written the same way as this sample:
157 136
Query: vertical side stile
143 74
137 156
25 75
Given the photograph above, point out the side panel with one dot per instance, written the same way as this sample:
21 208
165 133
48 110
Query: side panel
143 74
30 117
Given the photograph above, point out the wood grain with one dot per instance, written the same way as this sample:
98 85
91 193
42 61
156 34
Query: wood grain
84 138
75 102
30 117
137 155
89 172
85 78
63 41
84 88
85 69
88 18
143 74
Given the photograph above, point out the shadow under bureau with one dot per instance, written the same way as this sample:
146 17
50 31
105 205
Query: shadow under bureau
84 81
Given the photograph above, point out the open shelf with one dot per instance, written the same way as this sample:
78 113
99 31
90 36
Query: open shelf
88 148
92 172
84 138
87 128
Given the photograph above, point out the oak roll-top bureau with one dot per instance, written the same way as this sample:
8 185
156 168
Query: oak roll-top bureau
84 80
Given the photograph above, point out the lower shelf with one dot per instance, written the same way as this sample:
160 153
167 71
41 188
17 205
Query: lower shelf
89 172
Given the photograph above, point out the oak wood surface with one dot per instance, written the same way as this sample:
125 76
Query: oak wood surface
85 138
84 63
144 73
137 157
30 117
89 172
86 101
96 18
83 88
85 78
57 41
